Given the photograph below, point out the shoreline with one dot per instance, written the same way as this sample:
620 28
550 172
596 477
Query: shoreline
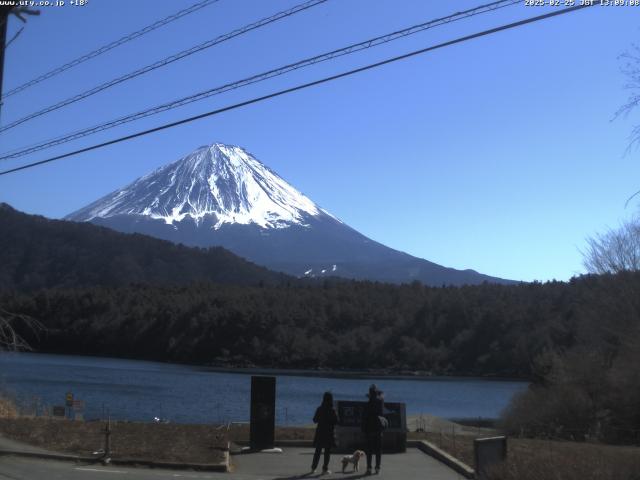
357 374
415 375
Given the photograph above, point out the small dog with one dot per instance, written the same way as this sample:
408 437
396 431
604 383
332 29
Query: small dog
353 459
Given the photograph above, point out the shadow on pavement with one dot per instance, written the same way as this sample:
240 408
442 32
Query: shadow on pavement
342 476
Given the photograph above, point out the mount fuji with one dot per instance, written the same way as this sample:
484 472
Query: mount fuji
221 195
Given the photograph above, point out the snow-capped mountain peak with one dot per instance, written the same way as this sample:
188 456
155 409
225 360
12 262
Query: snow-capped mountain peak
222 181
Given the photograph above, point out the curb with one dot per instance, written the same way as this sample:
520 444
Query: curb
283 443
49 456
209 467
452 462
294 443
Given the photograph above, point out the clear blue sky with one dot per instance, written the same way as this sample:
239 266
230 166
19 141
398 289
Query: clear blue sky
498 154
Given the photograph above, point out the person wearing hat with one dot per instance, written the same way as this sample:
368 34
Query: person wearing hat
372 426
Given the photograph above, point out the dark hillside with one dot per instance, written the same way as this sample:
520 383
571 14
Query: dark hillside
36 252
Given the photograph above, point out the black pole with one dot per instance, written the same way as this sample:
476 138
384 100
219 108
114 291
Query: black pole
4 20
263 412
106 458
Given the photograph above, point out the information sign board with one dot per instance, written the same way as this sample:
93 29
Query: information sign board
349 436
489 452
59 411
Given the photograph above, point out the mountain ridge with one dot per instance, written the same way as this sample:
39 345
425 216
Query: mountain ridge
37 252
221 195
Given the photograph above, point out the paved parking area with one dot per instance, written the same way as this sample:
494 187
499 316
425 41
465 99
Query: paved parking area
293 463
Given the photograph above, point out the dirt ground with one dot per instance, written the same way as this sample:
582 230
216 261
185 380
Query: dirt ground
144 441
7 408
539 459
535 459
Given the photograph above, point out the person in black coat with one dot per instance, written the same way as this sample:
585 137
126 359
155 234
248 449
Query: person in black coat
326 418
372 426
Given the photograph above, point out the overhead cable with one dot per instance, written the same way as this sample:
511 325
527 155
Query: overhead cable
356 47
166 61
303 86
110 46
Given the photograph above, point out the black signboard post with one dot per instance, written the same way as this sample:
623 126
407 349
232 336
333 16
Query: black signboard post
263 413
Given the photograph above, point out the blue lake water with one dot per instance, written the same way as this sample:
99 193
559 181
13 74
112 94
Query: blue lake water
139 390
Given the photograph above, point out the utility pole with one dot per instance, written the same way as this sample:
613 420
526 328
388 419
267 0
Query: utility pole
4 20
5 11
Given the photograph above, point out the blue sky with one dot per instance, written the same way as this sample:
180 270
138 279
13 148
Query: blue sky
498 154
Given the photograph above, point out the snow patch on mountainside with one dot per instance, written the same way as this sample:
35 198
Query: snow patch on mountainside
323 271
220 180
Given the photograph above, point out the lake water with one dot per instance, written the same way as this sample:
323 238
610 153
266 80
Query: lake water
139 390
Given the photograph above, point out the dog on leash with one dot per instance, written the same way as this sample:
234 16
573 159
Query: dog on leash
352 459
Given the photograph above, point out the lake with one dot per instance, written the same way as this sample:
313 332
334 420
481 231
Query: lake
140 390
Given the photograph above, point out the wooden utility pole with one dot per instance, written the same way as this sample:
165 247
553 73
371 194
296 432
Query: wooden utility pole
106 458
5 11
4 20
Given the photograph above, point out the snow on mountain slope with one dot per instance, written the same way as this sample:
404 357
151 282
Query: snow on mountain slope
221 180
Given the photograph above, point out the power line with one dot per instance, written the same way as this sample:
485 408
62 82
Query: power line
99 51
15 35
303 86
373 42
166 61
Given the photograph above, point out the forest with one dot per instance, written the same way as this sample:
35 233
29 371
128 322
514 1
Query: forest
493 330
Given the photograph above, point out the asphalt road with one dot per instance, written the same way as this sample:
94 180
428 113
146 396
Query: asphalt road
18 468
292 464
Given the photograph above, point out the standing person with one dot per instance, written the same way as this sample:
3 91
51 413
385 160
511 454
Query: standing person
372 426
326 418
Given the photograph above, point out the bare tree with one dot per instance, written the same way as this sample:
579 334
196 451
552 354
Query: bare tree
614 251
9 338
631 69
